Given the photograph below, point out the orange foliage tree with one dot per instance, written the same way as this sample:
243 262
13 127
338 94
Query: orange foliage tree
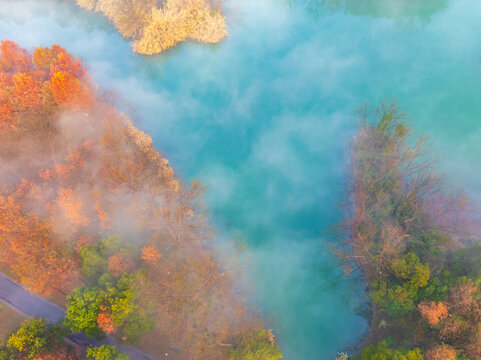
27 247
14 59
120 263
105 321
63 353
72 207
30 244
150 254
69 91
26 90
441 352
433 312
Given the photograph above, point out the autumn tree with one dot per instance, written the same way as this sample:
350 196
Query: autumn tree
105 321
156 28
69 91
441 352
34 338
26 90
14 59
130 17
71 206
433 312
27 240
150 254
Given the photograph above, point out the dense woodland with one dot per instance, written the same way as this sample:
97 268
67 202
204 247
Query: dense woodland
93 216
417 243
157 25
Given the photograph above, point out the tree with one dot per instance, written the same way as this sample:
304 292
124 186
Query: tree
441 352
121 300
256 347
109 307
433 312
105 321
120 263
179 20
150 254
65 62
106 352
397 300
34 338
155 28
93 261
110 254
381 351
6 115
71 205
14 59
26 90
411 269
29 251
69 91
83 308
132 16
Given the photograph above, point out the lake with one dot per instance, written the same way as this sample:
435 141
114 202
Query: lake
265 119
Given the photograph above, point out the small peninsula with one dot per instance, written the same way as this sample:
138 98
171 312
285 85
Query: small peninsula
415 241
156 25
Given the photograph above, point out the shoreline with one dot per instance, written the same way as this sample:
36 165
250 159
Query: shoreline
370 336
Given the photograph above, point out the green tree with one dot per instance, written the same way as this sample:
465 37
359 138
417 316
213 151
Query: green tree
92 261
121 298
397 300
94 257
113 295
381 351
398 293
83 307
106 352
411 269
256 347
33 338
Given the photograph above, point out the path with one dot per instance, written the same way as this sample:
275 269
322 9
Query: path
31 305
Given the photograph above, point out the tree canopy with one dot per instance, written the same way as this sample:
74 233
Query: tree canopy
106 352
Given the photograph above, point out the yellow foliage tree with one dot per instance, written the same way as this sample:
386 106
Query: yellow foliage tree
157 28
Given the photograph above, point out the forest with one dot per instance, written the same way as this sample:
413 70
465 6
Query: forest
157 25
416 241
93 217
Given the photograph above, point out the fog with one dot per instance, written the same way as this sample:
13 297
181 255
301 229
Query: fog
265 118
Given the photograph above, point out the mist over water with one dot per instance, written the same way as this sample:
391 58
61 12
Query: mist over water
265 119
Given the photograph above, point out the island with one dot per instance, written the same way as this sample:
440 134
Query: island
155 25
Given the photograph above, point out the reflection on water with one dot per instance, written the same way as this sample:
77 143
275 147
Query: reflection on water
407 10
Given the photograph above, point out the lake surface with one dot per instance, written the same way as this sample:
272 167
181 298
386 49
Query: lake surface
265 120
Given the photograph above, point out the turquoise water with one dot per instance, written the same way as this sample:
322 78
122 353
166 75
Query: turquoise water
265 120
